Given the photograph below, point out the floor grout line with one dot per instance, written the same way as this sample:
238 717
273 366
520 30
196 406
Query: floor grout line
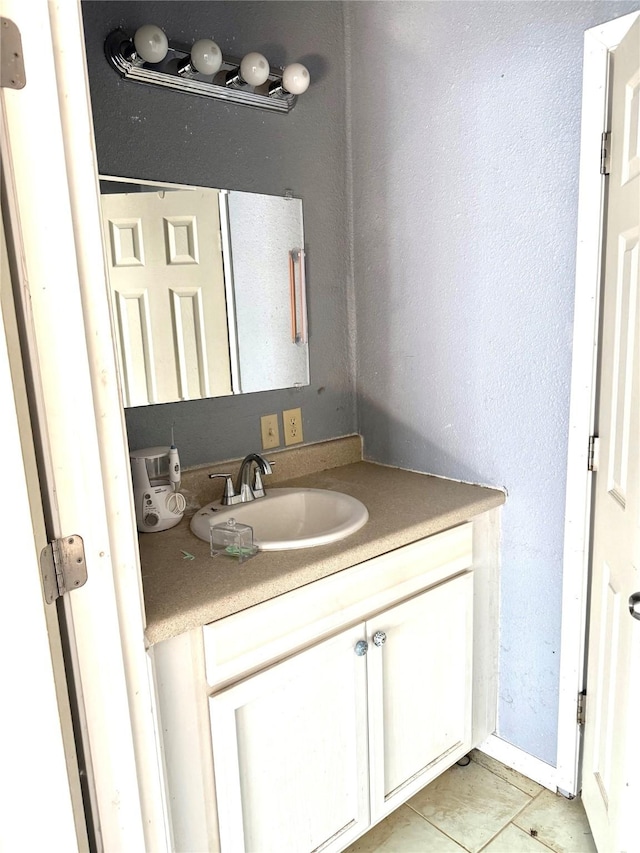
502 828
531 799
519 812
516 815
439 828
520 829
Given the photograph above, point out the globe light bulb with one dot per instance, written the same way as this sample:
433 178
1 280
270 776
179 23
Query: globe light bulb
206 56
254 69
150 43
295 78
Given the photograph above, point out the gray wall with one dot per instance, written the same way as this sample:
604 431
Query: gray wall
465 157
149 133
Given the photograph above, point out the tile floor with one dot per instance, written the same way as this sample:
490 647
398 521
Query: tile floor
484 806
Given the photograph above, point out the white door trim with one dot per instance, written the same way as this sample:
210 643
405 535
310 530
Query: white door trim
599 43
84 194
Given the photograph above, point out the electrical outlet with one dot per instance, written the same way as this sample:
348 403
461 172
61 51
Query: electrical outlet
292 420
270 431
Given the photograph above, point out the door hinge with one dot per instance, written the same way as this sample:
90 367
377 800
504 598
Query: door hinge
605 152
593 455
582 708
63 567
12 75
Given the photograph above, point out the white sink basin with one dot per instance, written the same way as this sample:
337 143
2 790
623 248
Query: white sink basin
289 518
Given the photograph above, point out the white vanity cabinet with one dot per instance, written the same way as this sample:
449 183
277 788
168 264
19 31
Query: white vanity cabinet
309 752
420 690
290 752
279 736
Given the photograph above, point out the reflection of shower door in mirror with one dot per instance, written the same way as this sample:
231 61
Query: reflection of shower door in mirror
267 242
165 267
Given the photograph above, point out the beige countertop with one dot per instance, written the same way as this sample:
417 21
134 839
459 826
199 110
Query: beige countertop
181 594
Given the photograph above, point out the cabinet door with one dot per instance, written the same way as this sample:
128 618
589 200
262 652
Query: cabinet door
290 752
419 690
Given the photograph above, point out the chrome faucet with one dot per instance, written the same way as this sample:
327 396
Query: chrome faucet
245 490
244 485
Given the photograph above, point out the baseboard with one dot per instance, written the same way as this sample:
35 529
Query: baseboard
512 756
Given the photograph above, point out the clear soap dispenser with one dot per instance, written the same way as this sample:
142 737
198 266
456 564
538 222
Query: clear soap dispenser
232 539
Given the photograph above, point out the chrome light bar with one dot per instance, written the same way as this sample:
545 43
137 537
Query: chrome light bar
271 95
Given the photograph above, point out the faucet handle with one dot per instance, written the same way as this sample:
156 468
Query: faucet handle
258 485
229 492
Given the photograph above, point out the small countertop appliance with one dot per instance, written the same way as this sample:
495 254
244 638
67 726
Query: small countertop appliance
156 483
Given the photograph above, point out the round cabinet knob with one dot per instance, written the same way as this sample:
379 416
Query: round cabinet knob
379 638
151 519
361 648
634 605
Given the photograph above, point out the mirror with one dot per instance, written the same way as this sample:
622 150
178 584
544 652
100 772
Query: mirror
208 287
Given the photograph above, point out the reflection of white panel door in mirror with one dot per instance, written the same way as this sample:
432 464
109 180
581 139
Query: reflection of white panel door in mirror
267 236
166 273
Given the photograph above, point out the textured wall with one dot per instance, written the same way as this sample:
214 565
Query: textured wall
465 134
149 133
464 129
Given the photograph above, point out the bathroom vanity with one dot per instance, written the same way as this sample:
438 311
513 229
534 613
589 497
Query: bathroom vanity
304 695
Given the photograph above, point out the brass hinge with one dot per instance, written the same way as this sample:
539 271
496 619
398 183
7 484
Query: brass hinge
582 707
63 567
593 454
605 153
12 74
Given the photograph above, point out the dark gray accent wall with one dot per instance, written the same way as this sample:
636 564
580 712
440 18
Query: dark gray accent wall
466 135
149 133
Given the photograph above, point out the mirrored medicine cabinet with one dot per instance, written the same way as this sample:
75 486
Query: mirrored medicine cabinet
208 290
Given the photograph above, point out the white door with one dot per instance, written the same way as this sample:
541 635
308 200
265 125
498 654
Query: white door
290 752
32 740
420 669
50 178
611 767
165 267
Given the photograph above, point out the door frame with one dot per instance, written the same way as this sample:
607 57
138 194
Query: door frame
50 173
599 43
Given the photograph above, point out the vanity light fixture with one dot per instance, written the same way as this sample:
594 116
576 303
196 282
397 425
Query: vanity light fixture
204 70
